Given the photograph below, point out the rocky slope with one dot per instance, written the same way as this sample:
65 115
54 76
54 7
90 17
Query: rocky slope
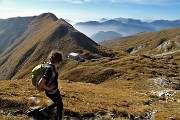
162 43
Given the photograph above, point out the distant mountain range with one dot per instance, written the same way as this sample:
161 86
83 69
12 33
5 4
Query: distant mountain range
124 26
104 36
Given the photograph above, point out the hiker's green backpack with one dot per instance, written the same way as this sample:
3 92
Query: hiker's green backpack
37 73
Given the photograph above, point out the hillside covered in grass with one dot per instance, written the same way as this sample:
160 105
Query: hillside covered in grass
125 87
162 43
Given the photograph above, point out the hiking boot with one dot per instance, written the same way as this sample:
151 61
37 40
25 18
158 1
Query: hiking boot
42 112
32 112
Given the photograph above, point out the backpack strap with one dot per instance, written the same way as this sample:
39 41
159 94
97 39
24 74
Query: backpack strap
48 64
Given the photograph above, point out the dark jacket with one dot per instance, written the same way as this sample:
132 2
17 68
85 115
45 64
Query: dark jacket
51 76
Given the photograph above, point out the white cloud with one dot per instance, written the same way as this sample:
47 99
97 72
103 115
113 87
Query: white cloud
72 1
157 2
49 0
81 1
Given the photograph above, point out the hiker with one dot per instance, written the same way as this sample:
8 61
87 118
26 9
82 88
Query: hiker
51 90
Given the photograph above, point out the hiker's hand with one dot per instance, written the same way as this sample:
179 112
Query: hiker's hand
51 87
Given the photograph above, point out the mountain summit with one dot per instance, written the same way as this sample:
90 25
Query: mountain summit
27 42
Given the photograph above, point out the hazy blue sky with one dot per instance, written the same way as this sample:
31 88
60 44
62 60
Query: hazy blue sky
82 10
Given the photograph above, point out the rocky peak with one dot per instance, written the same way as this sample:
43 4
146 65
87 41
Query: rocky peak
47 16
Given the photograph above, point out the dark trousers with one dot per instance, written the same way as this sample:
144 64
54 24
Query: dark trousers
57 102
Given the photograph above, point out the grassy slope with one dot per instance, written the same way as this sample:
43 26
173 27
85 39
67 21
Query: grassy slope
126 92
150 43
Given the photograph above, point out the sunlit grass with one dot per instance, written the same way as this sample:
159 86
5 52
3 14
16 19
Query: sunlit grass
125 92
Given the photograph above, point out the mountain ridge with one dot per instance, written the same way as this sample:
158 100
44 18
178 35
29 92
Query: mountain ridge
125 26
30 48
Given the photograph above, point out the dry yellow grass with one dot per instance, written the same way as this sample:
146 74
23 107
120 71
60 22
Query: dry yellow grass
126 92
116 96
78 97
165 41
